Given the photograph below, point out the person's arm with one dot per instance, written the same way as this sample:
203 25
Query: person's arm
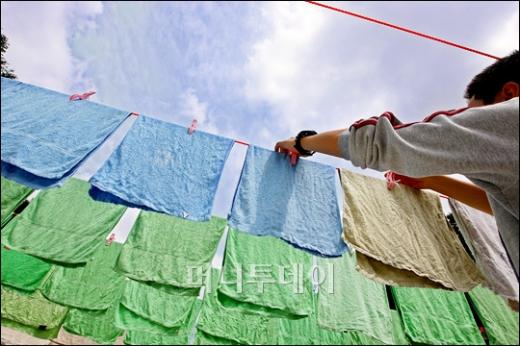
325 143
462 191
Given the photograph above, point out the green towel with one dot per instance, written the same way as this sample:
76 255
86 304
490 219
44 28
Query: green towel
37 333
348 301
33 311
206 339
180 336
97 325
128 320
500 322
167 249
94 286
438 317
62 224
223 323
12 195
22 271
165 305
268 275
400 337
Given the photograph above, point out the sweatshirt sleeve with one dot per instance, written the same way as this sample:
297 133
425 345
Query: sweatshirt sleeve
464 141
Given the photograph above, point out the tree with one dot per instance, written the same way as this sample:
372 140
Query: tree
6 71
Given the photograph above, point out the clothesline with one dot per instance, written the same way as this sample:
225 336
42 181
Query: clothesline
413 32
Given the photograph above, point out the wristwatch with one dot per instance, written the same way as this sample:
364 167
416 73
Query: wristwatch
298 144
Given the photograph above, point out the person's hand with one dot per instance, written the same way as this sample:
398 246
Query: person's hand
416 183
286 146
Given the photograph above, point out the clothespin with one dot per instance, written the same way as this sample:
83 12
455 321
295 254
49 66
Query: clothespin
293 156
135 113
391 182
83 96
185 214
7 247
110 239
193 126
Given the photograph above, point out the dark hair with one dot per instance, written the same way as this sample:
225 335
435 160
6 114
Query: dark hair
486 85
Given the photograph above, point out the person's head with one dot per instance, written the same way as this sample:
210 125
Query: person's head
497 83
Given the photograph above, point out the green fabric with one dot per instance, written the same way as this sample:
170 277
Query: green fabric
22 271
400 337
438 317
165 305
225 324
206 339
62 224
37 333
31 310
348 301
281 285
94 286
97 325
306 331
128 320
166 249
12 195
179 336
233 322
500 322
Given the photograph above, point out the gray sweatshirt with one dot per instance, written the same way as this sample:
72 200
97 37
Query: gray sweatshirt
480 143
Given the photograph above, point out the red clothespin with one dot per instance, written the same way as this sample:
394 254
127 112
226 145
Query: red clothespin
110 239
391 180
84 96
293 156
135 113
193 126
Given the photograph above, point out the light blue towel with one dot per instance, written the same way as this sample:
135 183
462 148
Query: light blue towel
295 203
45 137
159 166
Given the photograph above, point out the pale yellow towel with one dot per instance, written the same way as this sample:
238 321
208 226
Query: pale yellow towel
403 236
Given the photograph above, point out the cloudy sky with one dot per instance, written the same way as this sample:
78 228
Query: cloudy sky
258 72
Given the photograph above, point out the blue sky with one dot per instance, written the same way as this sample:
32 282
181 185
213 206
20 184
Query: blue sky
257 71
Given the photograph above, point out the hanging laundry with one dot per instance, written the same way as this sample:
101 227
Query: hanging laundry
159 166
403 229
165 305
62 224
94 286
481 234
45 138
170 250
231 321
202 338
500 322
400 337
180 336
436 317
348 301
267 276
97 325
22 271
37 315
295 203
13 194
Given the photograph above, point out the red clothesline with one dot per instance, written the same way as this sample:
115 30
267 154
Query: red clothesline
413 32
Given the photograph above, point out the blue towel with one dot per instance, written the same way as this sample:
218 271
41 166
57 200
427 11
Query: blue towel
160 167
46 137
297 204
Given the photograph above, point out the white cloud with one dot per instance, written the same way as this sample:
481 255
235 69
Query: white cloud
192 107
505 39
38 34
